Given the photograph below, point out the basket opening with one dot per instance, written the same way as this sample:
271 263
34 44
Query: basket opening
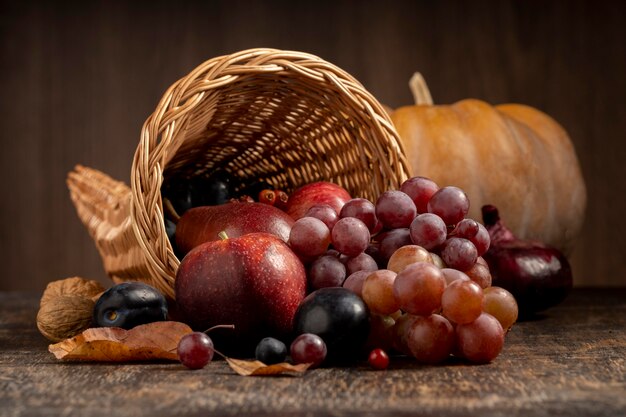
278 129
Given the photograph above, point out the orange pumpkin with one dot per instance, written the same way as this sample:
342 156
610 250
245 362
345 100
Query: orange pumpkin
512 156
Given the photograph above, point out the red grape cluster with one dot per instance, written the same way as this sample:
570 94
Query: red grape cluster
416 260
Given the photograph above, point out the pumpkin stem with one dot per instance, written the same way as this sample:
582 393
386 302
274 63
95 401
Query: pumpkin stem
419 88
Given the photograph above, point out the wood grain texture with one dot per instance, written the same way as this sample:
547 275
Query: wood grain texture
570 362
78 79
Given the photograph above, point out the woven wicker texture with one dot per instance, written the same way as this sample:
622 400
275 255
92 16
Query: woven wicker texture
285 117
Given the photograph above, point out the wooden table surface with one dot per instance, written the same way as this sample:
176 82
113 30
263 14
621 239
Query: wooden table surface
570 362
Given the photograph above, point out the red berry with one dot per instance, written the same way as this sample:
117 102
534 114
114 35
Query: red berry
378 359
267 197
281 199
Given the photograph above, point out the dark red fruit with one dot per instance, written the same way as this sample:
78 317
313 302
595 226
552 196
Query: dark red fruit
267 197
378 359
195 350
538 276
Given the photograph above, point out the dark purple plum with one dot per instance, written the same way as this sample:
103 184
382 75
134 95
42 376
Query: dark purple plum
337 315
128 305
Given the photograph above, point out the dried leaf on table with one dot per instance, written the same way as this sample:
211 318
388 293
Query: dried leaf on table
257 368
151 341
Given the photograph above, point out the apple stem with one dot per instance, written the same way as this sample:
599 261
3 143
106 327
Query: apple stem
223 235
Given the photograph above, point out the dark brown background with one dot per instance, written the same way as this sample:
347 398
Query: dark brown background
77 80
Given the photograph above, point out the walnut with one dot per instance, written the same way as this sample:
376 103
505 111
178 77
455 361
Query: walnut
71 286
66 307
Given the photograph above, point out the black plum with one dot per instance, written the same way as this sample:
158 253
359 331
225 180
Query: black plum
218 188
128 305
339 317
271 351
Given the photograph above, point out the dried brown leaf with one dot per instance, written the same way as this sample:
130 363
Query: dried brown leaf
258 368
151 341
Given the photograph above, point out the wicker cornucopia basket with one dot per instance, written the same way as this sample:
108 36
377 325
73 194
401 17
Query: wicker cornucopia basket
288 118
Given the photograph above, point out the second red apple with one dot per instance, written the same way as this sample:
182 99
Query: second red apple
315 193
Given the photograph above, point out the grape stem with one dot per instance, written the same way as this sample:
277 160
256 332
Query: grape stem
220 326
220 353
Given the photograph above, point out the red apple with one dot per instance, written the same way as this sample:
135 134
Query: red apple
254 282
203 224
307 196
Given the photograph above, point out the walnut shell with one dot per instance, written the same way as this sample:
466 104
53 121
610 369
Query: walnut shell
71 286
65 316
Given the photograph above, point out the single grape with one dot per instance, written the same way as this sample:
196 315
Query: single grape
355 281
449 203
309 237
401 331
437 260
361 262
325 213
502 305
395 209
377 292
462 301
480 274
466 228
373 250
377 229
195 350
406 256
308 348
430 339
381 332
481 240
451 274
350 236
459 253
326 271
363 210
390 242
418 288
378 359
270 351
420 189
481 340
428 231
